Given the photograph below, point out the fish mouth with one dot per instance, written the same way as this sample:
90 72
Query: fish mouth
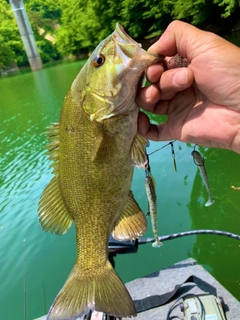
124 38
131 52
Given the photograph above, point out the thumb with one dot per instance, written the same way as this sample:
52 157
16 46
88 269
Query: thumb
179 37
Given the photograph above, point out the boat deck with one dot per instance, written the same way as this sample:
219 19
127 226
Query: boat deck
164 281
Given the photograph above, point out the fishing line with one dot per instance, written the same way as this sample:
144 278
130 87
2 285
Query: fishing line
24 281
194 149
169 143
172 150
44 298
190 233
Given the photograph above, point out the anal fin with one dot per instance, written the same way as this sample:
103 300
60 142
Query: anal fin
52 212
131 223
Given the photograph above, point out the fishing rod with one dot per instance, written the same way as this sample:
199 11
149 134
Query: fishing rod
130 246
191 233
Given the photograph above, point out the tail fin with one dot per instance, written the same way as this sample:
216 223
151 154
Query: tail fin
81 293
209 202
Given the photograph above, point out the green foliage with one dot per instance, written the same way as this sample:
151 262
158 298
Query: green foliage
44 17
48 9
83 24
78 26
230 6
47 50
191 11
6 54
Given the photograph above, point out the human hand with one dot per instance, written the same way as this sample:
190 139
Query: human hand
202 102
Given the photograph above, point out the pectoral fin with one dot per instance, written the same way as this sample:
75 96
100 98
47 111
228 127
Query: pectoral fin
138 151
53 215
102 148
131 223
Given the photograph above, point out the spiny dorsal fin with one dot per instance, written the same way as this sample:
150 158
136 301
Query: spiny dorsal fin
53 146
53 215
138 151
131 223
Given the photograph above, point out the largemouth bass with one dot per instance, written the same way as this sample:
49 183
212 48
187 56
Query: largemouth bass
93 149
199 161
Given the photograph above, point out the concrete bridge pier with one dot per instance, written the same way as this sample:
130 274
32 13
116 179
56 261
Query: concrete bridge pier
26 34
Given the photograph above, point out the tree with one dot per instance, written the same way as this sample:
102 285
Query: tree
229 6
78 26
84 24
44 17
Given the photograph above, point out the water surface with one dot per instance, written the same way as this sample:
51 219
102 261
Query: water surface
35 264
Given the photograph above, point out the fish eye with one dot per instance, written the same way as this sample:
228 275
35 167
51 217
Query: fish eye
98 60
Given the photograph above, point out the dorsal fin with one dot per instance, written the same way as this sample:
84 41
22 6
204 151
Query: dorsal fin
53 146
138 151
52 212
131 223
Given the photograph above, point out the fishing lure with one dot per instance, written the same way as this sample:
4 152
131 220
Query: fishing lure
152 203
198 159
173 157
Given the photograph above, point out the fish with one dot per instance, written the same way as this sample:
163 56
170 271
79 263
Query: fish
150 186
93 150
199 161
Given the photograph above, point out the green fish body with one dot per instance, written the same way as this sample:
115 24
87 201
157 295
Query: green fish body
93 149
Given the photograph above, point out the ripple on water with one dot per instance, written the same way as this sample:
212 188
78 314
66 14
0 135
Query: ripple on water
23 179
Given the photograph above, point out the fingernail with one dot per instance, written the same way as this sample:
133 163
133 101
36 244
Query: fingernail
180 78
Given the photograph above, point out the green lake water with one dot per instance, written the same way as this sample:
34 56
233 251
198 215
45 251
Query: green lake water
35 264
